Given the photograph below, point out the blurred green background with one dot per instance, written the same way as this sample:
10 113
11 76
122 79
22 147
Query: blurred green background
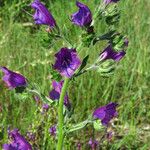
23 49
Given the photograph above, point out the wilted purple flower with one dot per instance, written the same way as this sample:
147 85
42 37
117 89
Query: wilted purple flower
42 15
67 61
55 93
52 130
36 98
106 113
109 53
109 135
18 142
93 144
13 79
126 42
83 17
31 136
78 146
45 107
110 1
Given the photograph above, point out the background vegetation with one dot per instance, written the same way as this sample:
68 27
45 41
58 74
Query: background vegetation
23 49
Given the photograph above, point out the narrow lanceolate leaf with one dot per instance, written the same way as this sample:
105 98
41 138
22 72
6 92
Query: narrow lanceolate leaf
106 36
78 126
84 63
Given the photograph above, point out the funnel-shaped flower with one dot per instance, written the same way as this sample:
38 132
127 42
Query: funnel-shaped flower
110 1
18 142
42 15
109 53
106 113
83 17
13 79
55 93
67 61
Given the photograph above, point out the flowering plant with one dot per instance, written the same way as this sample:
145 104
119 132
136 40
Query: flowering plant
68 66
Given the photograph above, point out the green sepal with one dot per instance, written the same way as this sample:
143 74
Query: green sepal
118 42
88 36
98 125
112 14
106 67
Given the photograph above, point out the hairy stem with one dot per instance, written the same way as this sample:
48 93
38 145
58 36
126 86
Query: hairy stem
61 116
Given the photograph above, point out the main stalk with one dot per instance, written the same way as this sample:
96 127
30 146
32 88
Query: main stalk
61 116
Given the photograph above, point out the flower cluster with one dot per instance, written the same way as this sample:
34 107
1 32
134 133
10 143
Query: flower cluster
68 65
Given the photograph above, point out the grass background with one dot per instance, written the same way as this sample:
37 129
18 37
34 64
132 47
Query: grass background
22 49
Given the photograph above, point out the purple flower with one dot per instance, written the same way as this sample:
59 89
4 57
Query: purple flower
110 1
67 61
18 142
31 136
36 98
55 93
109 135
83 17
78 146
42 15
13 79
93 143
9 147
126 42
45 107
109 53
52 130
106 113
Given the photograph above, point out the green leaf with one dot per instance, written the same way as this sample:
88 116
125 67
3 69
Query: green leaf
84 63
1 133
55 75
106 36
21 96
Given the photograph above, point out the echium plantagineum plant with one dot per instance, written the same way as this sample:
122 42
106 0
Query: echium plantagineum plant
68 65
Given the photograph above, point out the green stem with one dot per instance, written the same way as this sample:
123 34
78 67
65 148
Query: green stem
61 116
